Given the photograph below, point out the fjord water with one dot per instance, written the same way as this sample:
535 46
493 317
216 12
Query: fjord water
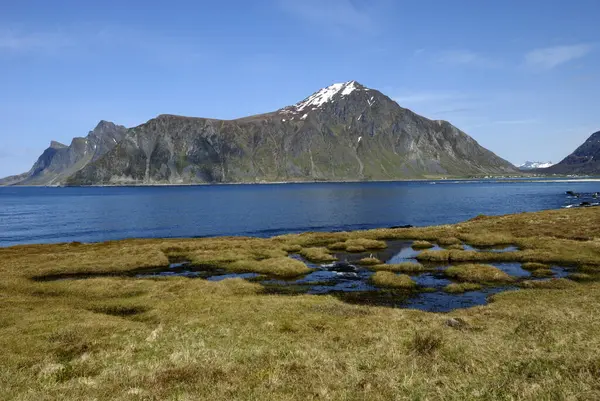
92 214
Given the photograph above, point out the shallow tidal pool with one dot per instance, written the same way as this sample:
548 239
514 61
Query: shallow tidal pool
347 280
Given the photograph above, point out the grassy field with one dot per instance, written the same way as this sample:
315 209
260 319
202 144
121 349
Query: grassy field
76 325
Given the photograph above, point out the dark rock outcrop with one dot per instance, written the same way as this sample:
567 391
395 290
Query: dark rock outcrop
585 160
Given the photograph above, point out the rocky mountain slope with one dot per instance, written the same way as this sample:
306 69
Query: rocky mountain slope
342 132
584 160
59 162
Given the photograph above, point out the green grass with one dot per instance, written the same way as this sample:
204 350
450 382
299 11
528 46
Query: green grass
388 279
478 273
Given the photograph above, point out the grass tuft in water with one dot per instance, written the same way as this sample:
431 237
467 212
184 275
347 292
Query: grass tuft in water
392 280
405 267
317 254
370 261
422 245
459 288
478 273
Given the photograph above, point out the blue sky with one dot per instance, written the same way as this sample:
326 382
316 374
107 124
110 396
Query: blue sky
521 77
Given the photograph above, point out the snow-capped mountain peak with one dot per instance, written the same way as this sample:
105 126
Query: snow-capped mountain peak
533 165
324 96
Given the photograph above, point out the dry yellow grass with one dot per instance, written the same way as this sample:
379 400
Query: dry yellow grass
542 273
317 254
392 280
478 274
370 261
357 245
121 338
457 288
406 267
534 266
282 267
422 245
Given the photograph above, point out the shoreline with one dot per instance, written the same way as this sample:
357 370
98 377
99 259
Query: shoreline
407 180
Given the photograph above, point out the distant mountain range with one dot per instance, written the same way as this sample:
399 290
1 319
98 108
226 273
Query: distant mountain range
534 165
343 132
585 160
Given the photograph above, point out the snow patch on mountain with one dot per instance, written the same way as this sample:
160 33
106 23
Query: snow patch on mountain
533 165
322 97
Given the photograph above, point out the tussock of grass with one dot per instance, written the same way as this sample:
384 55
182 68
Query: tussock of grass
355 249
532 266
422 245
370 261
488 239
337 246
292 248
405 267
369 244
282 267
458 288
358 245
317 255
455 247
391 280
581 277
539 273
425 343
478 274
447 241
554 283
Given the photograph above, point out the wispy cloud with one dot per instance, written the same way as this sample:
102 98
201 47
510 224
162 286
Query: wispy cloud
331 13
90 41
550 57
15 41
465 58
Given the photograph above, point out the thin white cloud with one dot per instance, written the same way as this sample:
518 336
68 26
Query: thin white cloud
33 41
465 58
550 57
330 14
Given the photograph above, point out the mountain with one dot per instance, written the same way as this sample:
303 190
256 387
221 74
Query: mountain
343 132
59 162
585 159
534 165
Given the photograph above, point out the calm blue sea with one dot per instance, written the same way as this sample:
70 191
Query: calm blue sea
46 215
